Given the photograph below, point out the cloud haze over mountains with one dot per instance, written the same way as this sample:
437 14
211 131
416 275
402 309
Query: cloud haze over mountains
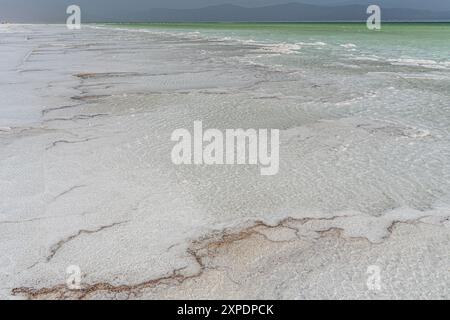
53 11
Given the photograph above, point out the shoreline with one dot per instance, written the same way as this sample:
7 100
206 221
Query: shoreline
92 177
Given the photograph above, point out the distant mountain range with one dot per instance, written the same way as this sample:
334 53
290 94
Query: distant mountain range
433 5
290 12
286 13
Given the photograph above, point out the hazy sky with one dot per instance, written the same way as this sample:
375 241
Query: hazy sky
24 10
23 4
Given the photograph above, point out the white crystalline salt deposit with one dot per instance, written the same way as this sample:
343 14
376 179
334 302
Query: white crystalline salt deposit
86 177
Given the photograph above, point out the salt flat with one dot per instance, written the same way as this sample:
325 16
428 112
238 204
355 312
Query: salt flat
86 177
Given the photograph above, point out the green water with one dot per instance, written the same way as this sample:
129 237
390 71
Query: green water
430 41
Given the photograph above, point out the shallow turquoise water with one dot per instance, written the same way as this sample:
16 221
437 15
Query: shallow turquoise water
425 41
394 82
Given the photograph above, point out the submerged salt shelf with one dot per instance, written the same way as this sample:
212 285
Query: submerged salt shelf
86 177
